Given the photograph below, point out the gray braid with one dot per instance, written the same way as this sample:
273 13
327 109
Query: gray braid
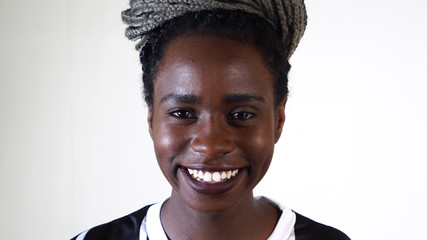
288 17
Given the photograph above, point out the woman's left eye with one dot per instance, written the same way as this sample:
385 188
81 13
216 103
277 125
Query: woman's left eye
242 116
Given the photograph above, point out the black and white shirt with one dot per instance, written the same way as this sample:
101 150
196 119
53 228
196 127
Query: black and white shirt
145 224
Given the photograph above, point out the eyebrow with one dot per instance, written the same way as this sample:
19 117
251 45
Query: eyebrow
241 97
184 98
229 98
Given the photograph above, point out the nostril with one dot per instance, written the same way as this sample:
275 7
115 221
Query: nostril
212 146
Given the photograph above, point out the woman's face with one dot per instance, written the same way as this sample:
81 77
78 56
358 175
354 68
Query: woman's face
214 122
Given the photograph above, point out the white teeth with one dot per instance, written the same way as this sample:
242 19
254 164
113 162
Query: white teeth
216 177
207 177
200 175
212 177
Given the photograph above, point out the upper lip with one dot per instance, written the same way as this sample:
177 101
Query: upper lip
212 168
225 163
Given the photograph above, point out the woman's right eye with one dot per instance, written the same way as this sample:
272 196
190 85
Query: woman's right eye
184 114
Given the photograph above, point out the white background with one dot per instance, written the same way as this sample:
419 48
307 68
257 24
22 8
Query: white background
74 148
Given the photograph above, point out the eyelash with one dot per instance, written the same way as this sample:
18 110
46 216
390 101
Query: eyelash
183 114
241 116
234 116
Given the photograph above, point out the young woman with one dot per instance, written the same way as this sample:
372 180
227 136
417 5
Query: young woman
215 82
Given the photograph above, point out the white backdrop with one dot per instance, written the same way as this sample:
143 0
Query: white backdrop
74 147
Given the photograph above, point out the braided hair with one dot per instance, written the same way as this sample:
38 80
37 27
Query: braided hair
240 26
288 17
273 27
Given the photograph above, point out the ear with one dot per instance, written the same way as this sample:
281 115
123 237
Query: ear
280 119
150 121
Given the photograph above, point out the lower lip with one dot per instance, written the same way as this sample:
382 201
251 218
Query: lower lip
212 188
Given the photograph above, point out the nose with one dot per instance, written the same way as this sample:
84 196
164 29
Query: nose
213 139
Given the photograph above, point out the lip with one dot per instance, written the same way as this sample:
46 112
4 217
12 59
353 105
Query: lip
212 188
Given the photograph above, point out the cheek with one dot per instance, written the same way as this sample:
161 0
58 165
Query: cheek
169 142
259 145
262 155
163 142
263 148
165 147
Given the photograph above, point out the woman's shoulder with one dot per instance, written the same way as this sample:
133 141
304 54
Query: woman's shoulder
307 229
126 227
302 227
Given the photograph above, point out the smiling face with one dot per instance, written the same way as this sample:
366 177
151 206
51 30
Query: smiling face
214 122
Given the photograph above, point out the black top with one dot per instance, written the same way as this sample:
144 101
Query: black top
128 227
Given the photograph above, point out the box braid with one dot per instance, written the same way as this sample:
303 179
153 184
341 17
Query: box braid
157 22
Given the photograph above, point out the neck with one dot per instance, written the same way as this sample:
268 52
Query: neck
248 219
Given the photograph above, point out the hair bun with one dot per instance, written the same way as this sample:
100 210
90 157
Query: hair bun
289 17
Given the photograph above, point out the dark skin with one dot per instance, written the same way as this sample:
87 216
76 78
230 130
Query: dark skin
214 111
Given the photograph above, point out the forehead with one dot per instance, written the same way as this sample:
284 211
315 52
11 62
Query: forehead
197 62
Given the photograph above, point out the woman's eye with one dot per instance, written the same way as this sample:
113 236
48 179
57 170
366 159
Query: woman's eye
242 116
182 114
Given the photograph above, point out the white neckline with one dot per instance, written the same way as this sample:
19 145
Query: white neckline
284 229
154 227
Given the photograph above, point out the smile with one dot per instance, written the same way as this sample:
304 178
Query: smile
212 177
